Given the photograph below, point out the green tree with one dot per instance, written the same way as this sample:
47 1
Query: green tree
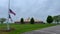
22 21
2 20
56 19
49 19
32 21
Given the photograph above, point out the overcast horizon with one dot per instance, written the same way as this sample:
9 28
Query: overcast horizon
39 9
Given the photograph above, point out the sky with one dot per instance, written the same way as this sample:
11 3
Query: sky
39 9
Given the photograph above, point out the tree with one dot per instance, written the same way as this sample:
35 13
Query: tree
22 21
56 19
49 19
32 21
2 20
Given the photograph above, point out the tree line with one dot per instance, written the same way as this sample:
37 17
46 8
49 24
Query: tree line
50 19
55 19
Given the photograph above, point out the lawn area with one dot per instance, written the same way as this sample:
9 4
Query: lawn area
20 28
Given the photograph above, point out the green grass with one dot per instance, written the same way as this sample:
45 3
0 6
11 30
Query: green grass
20 28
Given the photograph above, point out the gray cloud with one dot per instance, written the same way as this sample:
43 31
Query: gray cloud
39 9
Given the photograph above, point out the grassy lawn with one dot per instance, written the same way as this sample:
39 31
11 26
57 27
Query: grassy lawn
20 28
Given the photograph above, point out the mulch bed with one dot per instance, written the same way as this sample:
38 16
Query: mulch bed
5 30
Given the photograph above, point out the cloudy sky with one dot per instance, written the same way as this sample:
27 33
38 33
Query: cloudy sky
39 9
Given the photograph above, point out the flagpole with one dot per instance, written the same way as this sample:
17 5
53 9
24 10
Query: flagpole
8 27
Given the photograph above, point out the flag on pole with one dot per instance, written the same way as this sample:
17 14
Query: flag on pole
10 17
10 11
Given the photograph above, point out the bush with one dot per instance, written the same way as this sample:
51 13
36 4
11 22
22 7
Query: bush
49 19
32 21
22 21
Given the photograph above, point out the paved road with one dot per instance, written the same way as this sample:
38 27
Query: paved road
49 30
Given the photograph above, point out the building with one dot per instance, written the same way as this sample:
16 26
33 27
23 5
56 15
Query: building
27 21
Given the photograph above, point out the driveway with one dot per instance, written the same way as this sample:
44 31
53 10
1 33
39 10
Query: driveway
49 30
